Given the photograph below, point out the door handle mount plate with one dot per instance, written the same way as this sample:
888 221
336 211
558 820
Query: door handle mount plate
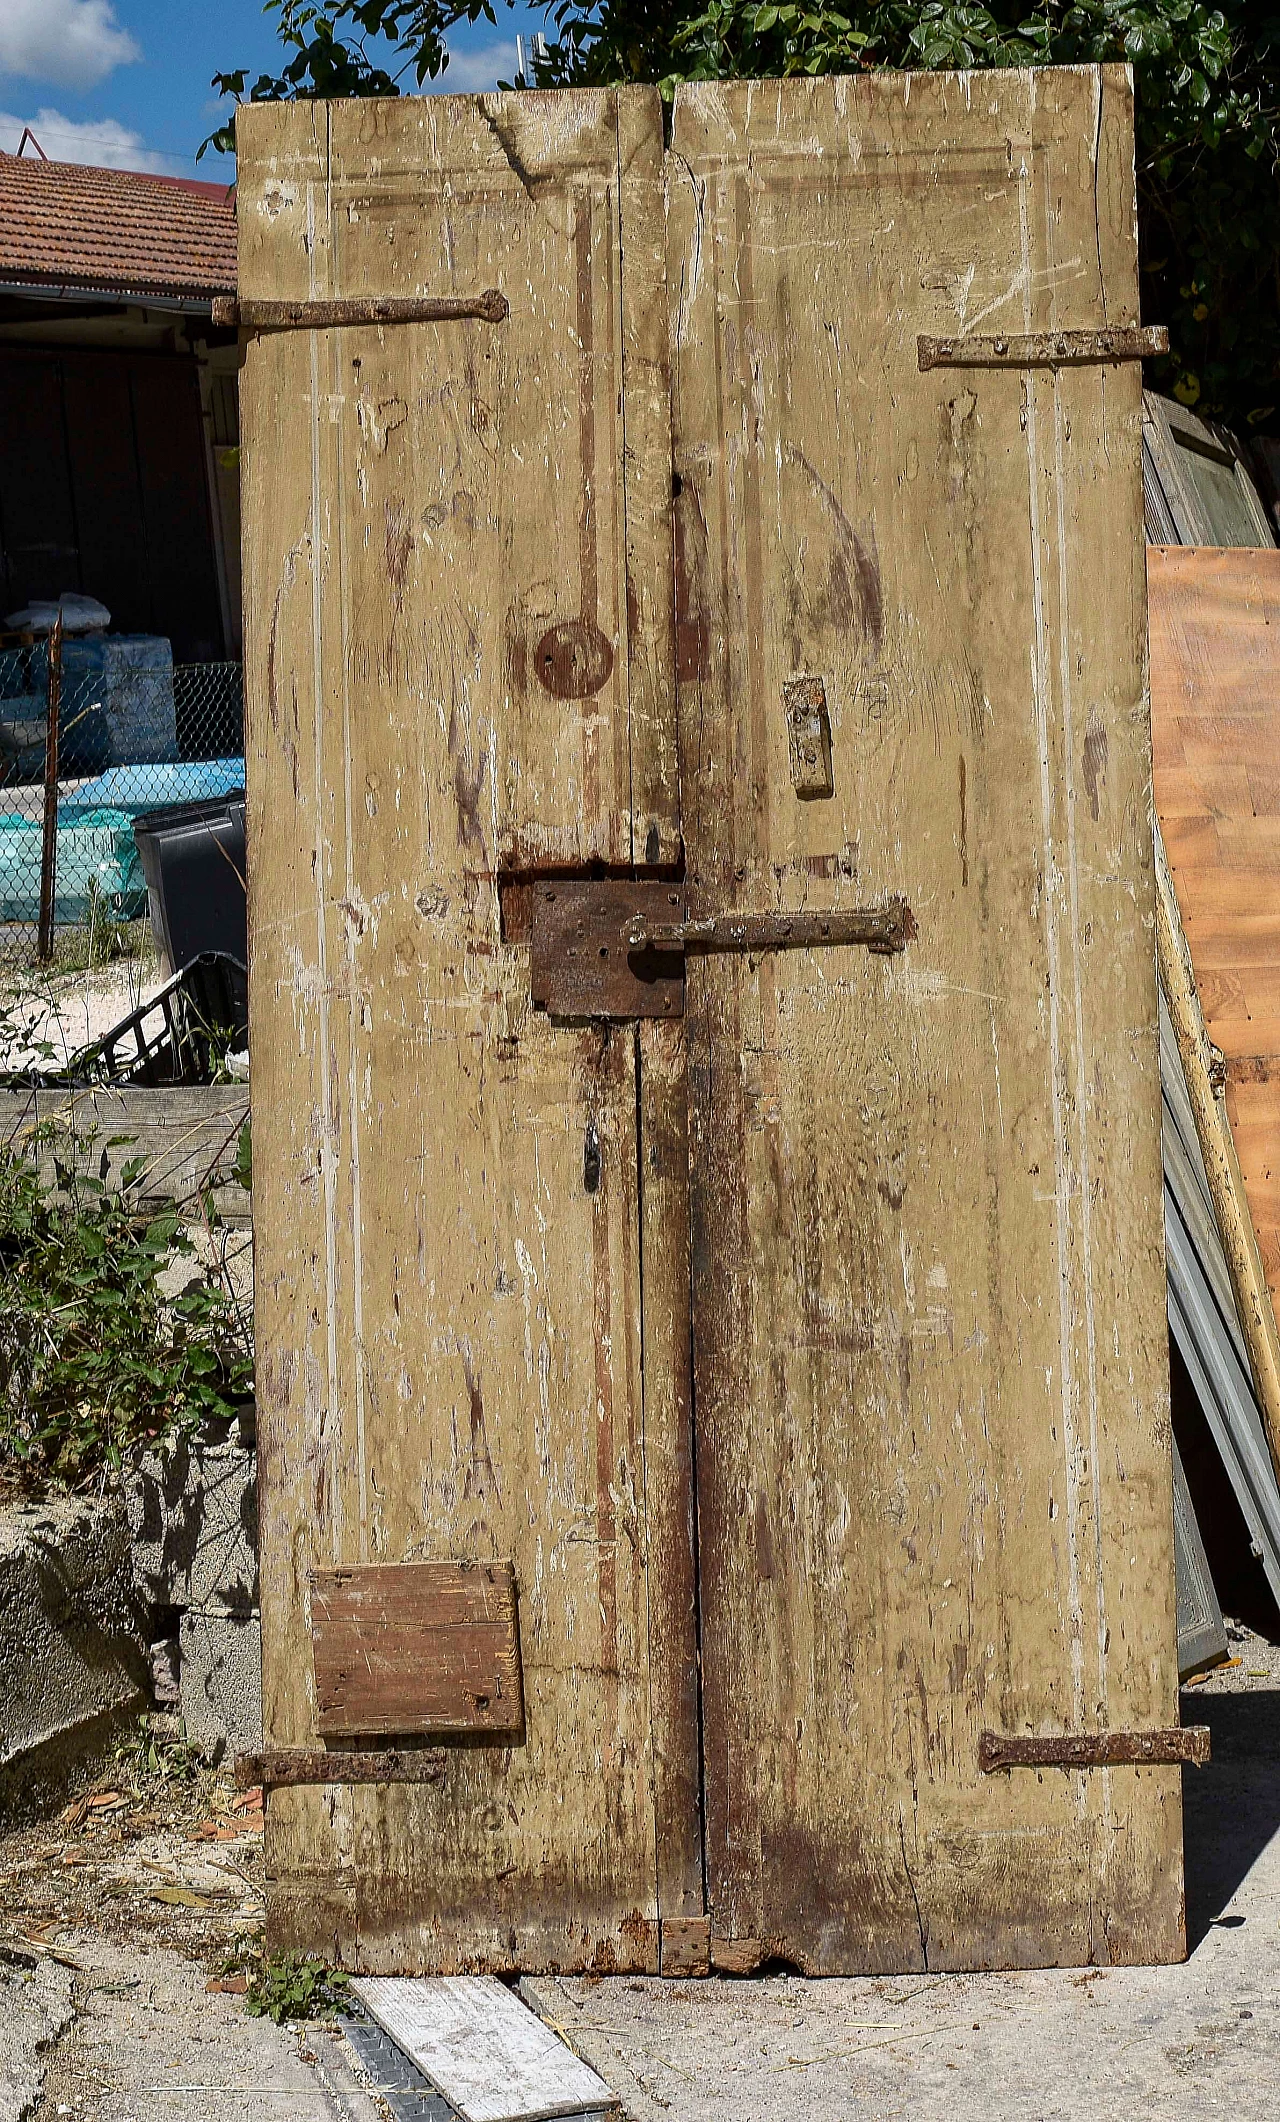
615 948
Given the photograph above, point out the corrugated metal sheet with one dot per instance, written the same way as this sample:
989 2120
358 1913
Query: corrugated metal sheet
1202 1316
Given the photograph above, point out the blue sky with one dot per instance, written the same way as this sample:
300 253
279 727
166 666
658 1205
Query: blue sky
126 82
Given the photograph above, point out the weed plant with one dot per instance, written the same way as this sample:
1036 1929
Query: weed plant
286 1986
95 1355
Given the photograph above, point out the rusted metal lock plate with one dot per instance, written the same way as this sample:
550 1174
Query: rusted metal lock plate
580 962
808 736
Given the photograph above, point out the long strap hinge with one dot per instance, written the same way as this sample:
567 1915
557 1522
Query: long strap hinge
1044 349
253 316
1103 1749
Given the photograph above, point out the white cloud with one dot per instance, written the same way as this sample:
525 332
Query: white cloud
73 43
102 141
471 73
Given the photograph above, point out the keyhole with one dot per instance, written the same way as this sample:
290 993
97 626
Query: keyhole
591 1160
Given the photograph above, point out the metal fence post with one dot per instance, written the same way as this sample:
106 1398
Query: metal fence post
49 844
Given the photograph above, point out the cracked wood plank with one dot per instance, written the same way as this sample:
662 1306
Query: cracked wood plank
933 1470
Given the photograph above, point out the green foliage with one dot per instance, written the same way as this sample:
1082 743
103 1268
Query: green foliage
103 939
95 1356
145 1758
1208 123
292 1986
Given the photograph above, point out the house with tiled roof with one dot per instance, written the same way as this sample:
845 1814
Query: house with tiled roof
118 432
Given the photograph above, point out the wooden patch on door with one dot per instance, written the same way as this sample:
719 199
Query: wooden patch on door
416 1647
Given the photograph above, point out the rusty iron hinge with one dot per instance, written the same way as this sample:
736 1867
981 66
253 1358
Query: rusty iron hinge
1044 349
1104 1749
613 948
491 307
285 1767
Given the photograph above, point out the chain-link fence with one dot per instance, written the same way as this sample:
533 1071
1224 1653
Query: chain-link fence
135 733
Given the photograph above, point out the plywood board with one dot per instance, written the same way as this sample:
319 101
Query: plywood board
492 2059
929 1336
416 1647
1215 652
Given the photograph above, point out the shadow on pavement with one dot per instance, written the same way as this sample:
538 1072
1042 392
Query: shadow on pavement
1231 1809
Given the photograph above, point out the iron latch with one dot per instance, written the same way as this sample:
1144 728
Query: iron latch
884 929
616 948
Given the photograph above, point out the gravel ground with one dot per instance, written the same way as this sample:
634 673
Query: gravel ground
1253 1665
114 1919
35 2007
1166 2043
167 1856
150 2044
46 1017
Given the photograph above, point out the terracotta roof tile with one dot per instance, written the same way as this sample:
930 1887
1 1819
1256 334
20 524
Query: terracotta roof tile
64 224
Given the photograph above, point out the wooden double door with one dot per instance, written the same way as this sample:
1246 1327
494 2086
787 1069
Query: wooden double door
796 1331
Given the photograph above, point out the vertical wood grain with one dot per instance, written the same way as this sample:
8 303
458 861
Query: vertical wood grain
668 1433
449 1311
929 1349
646 439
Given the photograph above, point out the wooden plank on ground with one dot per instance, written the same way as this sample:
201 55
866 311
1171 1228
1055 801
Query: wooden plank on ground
416 1647
492 2059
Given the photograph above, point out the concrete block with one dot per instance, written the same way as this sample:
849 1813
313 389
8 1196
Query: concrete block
221 1681
193 1514
35 2007
165 1659
72 1654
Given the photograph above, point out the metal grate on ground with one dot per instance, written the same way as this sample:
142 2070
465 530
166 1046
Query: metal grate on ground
136 733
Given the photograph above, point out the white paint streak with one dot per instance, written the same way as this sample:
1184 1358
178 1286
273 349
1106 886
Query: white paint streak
352 932
328 1148
1082 1084
1062 1182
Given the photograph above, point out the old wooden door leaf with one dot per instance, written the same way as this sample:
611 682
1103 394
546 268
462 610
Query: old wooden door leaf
709 1264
